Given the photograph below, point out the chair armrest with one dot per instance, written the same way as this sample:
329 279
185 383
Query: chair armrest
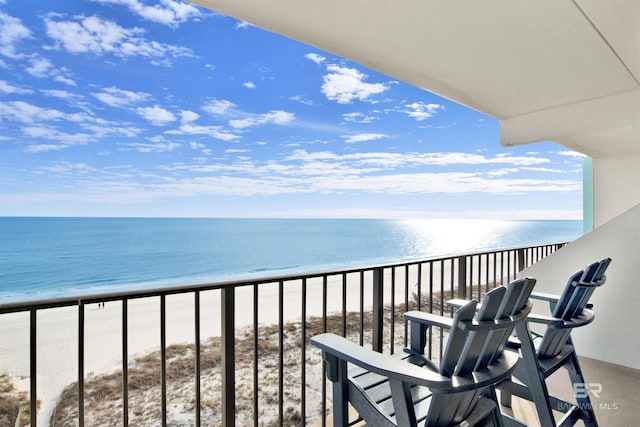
544 296
545 320
585 318
456 303
382 364
337 349
429 319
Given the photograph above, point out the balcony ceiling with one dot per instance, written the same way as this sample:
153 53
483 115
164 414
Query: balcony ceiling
561 70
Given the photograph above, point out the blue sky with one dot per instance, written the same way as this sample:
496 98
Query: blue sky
131 108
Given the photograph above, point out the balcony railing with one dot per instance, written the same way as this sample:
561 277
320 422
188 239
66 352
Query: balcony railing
284 378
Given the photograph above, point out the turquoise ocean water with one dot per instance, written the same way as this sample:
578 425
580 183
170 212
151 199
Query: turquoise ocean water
62 257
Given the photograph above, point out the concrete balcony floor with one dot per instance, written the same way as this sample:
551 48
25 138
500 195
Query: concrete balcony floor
617 404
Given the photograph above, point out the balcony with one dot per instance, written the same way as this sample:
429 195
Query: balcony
237 353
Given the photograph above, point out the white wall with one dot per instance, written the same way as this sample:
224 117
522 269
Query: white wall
616 186
614 336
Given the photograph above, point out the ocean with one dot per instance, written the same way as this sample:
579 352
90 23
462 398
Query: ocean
43 258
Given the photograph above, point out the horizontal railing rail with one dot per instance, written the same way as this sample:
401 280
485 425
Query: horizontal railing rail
258 359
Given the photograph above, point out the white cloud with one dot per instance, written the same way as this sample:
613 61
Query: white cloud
573 154
503 171
277 117
412 159
63 140
156 147
536 169
218 106
40 67
6 87
217 132
421 111
364 137
249 85
28 113
301 100
241 25
318 59
344 85
67 167
43 68
12 31
98 36
65 80
156 115
43 148
111 129
359 118
120 98
187 116
168 12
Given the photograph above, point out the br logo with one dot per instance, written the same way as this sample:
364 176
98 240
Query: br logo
582 390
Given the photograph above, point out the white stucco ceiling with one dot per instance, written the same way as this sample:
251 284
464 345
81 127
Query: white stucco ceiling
560 70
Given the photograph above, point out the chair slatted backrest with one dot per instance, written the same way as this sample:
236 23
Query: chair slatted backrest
571 304
579 290
475 344
471 350
514 302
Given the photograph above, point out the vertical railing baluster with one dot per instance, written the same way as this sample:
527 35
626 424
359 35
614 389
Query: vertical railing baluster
430 307
442 300
344 304
495 269
80 363
521 259
419 286
303 361
462 277
479 279
33 356
378 309
255 355
196 315
393 308
324 329
163 356
125 363
406 303
486 272
451 275
227 341
470 273
280 351
361 307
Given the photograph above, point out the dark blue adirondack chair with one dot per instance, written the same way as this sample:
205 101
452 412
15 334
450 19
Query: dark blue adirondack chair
543 354
408 389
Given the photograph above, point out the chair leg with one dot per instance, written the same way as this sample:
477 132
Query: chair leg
584 403
496 416
505 395
535 380
336 371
